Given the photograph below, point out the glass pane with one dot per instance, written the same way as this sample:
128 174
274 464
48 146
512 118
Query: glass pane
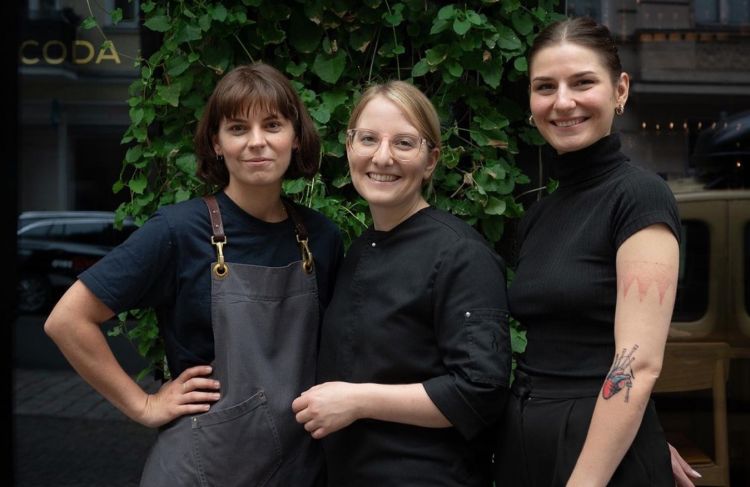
692 283
739 12
706 11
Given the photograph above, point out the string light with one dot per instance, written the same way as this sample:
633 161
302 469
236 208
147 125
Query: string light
671 125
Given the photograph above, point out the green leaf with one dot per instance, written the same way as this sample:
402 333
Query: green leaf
116 16
133 154
186 163
136 115
88 23
182 195
188 33
158 23
170 94
474 17
436 55
520 64
138 184
461 26
394 18
118 186
177 65
294 186
439 25
329 68
147 7
522 22
491 75
334 99
321 114
455 68
446 13
204 22
495 206
341 181
296 70
420 69
508 40
219 12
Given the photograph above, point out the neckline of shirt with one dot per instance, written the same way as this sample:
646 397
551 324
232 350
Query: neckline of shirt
594 161
227 206
379 235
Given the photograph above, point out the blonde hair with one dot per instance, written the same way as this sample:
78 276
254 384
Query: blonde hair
414 104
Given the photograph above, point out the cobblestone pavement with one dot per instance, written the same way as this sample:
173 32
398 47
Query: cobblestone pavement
67 435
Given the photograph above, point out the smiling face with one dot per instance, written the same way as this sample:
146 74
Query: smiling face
392 189
573 96
257 148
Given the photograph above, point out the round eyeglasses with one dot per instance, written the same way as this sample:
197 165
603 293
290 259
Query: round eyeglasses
403 147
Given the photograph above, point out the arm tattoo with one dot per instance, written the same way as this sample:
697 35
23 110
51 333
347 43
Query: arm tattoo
620 375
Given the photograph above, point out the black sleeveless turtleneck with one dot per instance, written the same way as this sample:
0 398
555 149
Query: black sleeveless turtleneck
564 291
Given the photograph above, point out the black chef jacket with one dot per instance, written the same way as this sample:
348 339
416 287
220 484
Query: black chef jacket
422 303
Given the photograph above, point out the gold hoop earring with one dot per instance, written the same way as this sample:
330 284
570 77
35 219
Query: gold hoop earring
619 109
531 121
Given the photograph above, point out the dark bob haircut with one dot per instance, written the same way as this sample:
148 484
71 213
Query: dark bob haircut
244 90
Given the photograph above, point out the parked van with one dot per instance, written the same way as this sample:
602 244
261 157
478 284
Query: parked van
713 305
713 294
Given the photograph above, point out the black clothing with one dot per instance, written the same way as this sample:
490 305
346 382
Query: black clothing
422 303
564 294
543 435
565 287
165 264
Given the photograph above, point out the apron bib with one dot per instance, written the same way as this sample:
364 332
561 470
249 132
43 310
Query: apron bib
265 322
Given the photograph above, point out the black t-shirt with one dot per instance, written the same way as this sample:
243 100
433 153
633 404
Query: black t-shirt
565 288
422 303
166 265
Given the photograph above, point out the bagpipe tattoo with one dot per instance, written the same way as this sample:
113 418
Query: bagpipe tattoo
620 375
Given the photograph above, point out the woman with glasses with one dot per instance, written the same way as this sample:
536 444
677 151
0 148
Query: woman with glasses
414 360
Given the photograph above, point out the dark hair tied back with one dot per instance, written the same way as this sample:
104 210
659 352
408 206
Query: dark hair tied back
585 32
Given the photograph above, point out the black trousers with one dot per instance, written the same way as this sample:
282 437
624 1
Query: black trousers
540 438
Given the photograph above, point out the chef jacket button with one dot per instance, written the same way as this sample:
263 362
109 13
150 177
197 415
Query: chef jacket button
468 314
374 244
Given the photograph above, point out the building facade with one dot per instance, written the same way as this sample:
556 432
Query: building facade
73 110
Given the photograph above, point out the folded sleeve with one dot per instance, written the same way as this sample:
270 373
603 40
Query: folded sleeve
471 326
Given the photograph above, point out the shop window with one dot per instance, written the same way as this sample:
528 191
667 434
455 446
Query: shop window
692 284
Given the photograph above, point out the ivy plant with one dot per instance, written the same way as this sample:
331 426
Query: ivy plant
468 57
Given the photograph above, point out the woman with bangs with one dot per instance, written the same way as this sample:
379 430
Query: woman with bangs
238 279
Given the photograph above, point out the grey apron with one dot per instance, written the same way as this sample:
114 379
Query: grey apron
265 323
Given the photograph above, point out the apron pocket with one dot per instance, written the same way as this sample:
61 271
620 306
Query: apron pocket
238 446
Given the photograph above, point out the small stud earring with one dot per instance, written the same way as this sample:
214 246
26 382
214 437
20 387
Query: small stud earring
619 109
531 121
220 158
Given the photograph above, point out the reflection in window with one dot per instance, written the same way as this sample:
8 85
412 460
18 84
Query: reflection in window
692 283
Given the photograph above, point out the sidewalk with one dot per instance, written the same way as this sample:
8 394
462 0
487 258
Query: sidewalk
67 435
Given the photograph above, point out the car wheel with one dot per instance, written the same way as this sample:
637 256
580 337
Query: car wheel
34 292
